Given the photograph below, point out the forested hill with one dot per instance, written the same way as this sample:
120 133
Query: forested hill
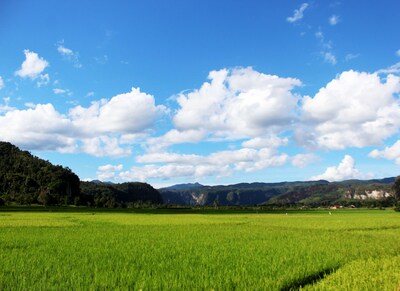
26 179
373 193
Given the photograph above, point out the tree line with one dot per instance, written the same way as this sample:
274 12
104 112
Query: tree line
26 179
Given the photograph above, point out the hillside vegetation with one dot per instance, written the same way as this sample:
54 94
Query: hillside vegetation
26 179
371 193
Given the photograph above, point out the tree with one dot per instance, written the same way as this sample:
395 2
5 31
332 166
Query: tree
396 188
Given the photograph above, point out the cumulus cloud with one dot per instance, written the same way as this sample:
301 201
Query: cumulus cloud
298 14
1 83
69 54
333 20
238 103
39 128
265 142
344 171
101 146
157 144
389 153
33 66
108 172
166 172
166 165
99 129
302 160
354 110
130 112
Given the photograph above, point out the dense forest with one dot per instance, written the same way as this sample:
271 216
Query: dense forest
26 179
130 195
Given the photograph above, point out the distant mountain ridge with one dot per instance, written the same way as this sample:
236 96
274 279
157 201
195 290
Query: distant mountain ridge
310 193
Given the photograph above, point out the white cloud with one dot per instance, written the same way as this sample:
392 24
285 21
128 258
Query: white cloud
333 20
350 57
64 51
320 36
398 53
167 165
130 112
30 105
6 106
327 46
330 58
238 103
110 168
59 91
40 128
97 130
346 170
389 153
302 160
44 79
265 142
89 94
174 136
356 109
172 171
1 83
297 13
108 172
69 54
33 65
394 69
104 146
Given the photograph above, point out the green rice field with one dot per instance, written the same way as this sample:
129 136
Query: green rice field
86 250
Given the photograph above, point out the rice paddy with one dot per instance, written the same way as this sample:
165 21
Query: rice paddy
353 250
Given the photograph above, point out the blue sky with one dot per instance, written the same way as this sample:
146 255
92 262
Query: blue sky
217 92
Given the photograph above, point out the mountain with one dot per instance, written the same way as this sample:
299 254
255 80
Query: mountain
105 194
283 194
26 179
184 186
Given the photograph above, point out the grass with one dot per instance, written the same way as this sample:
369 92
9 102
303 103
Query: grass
157 250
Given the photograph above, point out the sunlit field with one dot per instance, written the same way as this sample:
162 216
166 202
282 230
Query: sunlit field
353 250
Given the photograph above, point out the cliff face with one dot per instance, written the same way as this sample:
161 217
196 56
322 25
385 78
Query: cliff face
373 194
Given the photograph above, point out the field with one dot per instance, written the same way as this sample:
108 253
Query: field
347 250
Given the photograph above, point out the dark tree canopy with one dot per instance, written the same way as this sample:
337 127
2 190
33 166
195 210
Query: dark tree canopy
26 179
396 188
